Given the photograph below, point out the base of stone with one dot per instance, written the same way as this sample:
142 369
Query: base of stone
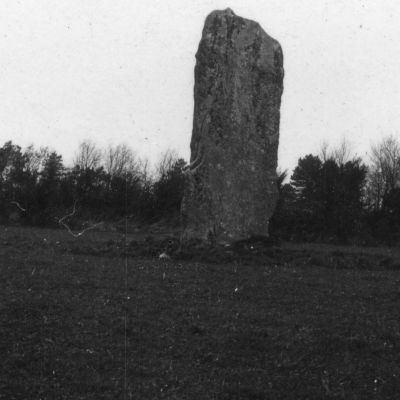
225 240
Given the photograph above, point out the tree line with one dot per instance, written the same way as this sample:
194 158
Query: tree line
330 196
36 188
335 196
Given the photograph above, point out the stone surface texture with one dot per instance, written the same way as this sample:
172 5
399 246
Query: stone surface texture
230 187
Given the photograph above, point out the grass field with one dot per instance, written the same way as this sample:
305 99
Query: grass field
86 319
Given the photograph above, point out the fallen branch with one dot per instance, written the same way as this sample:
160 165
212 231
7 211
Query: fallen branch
78 234
18 205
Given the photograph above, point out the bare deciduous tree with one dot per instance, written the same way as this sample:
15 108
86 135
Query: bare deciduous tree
144 170
384 172
35 159
165 163
324 152
120 159
88 155
340 154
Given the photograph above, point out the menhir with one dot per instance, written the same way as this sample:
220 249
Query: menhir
230 188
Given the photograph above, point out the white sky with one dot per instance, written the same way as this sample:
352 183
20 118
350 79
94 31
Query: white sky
122 71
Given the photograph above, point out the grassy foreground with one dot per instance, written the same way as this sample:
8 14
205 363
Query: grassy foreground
76 324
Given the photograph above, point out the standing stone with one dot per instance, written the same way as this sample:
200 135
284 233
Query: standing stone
230 187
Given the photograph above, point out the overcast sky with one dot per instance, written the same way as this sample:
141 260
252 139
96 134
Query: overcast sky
122 71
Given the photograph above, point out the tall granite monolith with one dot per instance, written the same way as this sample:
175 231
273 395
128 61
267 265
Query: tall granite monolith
230 188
